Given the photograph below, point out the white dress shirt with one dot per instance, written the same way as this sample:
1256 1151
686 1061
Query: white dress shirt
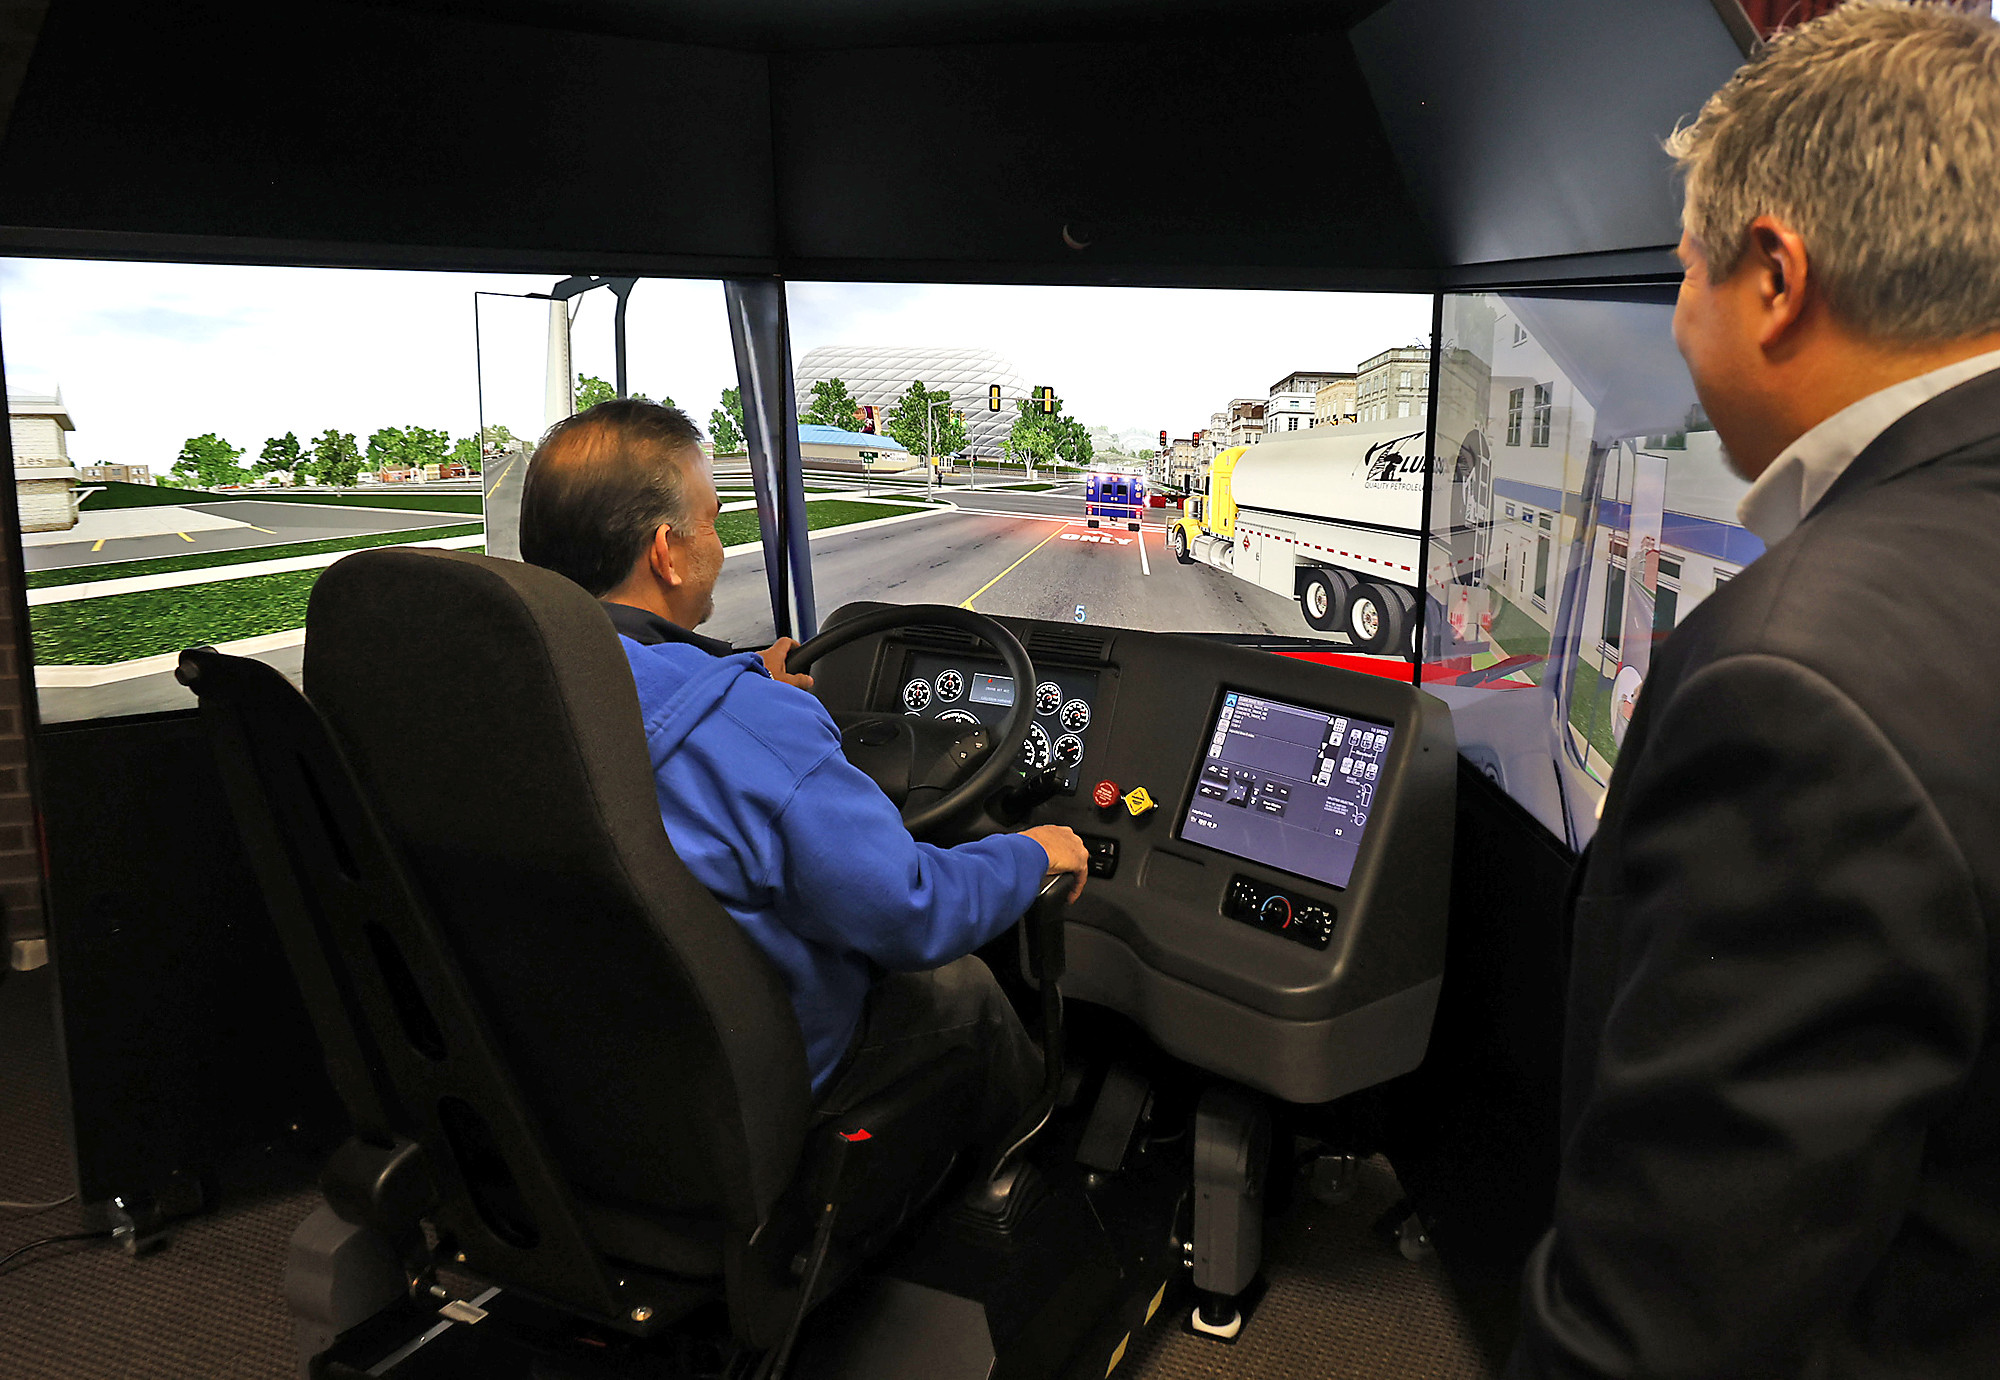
1799 478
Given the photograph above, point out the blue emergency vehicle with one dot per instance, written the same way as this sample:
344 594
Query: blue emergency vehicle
1114 496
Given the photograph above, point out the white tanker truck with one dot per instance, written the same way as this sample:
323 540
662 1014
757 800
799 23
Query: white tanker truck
1334 518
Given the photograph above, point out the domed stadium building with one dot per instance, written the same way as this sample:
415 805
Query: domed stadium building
877 375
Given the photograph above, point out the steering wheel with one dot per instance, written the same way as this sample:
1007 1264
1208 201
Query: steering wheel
933 770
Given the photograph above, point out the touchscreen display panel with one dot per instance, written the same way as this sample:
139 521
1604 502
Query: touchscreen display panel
1287 786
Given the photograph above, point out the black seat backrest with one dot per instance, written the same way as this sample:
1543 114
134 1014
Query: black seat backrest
412 1057
489 713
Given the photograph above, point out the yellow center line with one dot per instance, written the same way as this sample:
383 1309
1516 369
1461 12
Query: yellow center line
1009 570
184 536
255 528
98 545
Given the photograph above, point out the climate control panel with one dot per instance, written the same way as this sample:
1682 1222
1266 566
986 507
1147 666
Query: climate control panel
1268 908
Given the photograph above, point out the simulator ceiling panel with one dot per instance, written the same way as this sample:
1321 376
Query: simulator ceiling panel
1532 128
1092 158
1112 141
350 124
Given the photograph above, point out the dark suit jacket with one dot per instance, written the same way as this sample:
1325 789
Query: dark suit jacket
1781 1085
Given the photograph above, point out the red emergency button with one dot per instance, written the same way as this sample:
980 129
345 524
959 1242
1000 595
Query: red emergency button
1105 794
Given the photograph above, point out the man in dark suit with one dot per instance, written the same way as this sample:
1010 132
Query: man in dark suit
1782 1083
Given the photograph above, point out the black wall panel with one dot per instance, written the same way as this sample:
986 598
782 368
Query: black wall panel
1529 128
329 123
1476 1131
184 1036
1223 151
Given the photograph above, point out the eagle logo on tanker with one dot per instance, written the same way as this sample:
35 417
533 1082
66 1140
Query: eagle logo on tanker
1395 464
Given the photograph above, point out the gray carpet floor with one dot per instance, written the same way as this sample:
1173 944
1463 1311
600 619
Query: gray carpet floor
210 1306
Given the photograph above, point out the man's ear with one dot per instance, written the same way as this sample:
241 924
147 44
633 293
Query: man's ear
660 557
1782 278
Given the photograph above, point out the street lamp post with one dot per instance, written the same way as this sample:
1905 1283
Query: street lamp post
930 442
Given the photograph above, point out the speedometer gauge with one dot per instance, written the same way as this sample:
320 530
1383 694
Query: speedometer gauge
959 716
1068 750
917 696
1035 751
950 685
1048 697
1076 716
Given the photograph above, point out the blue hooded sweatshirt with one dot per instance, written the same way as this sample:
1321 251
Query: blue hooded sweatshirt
801 847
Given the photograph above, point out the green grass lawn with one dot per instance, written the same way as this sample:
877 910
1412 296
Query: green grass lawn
1590 711
1518 634
204 560
742 526
124 627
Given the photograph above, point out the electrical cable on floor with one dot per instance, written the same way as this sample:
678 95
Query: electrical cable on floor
38 1207
51 1241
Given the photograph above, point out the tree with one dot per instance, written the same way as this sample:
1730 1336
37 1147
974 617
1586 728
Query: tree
832 405
395 447
283 453
465 451
495 438
385 448
592 390
923 422
207 461
1049 437
725 423
336 460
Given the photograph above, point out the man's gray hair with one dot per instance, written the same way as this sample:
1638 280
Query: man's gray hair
1873 131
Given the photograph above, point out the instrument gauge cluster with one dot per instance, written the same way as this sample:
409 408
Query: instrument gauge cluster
969 690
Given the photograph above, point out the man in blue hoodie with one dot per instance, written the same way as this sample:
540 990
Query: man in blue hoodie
873 931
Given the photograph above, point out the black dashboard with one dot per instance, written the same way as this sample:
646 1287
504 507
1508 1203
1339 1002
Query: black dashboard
978 690
1271 838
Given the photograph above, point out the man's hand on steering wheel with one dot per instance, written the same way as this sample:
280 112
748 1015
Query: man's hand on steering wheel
1066 853
774 661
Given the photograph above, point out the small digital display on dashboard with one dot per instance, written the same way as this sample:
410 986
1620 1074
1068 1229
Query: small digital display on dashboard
993 690
1287 786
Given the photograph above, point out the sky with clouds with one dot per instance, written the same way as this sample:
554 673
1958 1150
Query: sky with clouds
147 355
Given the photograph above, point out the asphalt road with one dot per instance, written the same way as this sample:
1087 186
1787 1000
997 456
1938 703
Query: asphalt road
503 506
270 524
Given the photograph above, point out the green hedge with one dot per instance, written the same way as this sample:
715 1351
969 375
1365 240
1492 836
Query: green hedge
118 494
368 498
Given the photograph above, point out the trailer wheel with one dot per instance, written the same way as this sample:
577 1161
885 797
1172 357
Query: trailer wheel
1323 599
1181 547
1377 618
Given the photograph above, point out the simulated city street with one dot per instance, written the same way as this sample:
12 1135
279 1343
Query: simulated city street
1022 555
1027 555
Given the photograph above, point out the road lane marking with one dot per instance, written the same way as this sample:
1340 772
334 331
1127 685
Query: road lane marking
1144 568
1009 570
98 545
184 537
255 528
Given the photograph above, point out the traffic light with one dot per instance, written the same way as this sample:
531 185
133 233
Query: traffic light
1045 398
1163 440
992 397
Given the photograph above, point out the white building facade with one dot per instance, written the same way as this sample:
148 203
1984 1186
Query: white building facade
44 479
1394 384
1291 402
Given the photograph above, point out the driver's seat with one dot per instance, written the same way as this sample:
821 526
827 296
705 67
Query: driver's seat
603 1071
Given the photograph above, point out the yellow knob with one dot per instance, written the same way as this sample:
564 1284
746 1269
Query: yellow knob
1137 802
